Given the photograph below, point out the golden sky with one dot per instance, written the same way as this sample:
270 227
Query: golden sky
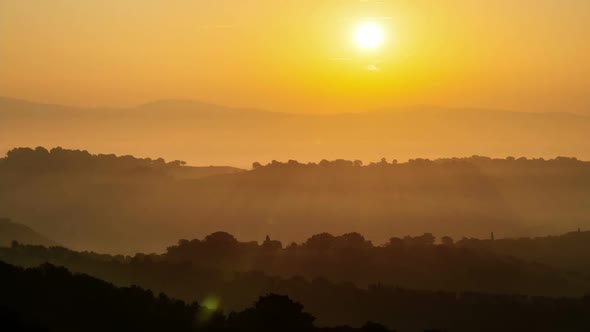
298 55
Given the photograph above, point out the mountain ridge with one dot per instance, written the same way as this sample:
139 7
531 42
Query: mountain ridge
197 104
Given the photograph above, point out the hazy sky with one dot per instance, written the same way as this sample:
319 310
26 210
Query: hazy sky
298 55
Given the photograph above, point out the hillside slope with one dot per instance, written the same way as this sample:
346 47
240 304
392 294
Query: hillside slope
10 231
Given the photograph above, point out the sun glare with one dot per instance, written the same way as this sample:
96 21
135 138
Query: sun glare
368 36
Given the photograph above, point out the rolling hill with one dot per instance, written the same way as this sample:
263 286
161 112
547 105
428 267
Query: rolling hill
125 204
10 231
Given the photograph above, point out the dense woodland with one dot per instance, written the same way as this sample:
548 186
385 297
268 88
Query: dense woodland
415 262
50 298
410 262
127 205
74 163
449 281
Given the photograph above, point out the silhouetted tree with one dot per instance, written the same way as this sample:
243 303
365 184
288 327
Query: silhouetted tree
447 241
274 313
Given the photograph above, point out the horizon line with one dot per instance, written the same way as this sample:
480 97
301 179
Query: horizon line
381 109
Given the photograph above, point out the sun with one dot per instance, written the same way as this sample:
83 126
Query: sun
368 36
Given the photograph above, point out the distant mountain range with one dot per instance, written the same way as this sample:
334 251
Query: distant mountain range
205 134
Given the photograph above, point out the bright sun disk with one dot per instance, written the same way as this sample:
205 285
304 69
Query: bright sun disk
368 36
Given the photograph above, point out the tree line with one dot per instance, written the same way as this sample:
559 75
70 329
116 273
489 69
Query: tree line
42 160
384 162
54 159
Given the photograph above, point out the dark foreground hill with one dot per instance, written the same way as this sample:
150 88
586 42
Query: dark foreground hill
51 297
125 204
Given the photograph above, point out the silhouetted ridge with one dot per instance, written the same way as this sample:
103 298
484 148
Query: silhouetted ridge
332 303
55 300
50 298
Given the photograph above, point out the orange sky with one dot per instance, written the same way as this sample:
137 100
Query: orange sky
298 55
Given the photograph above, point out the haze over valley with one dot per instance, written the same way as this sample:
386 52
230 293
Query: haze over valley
294 166
203 134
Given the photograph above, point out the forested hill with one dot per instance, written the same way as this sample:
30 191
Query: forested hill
125 205
409 262
331 303
27 162
50 298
